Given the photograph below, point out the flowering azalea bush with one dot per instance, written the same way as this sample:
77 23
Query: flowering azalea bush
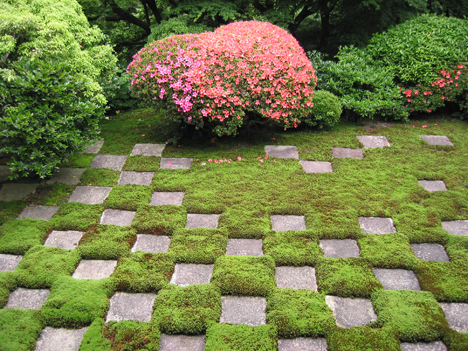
218 79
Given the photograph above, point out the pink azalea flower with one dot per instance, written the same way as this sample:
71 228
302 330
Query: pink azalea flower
203 163
142 135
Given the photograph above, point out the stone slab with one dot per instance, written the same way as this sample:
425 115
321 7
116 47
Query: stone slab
131 307
182 343
91 195
114 162
148 149
340 248
244 247
456 315
94 269
433 185
459 227
305 344
67 240
281 151
202 221
70 176
282 223
373 141
31 299
296 278
189 274
151 243
4 173
377 225
175 163
351 312
137 178
343 152
167 198
316 166
94 147
118 217
243 310
15 191
397 279
423 346
39 212
52 339
9 262
430 252
436 139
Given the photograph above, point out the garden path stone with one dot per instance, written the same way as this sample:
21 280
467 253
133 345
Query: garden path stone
343 152
281 151
95 147
4 173
296 278
15 191
423 346
114 162
351 312
243 310
202 221
244 247
305 344
9 262
117 217
137 178
436 139
31 299
91 195
188 274
397 279
373 141
151 243
377 225
70 176
430 252
39 212
283 223
340 248
131 307
459 227
167 198
94 269
52 339
148 149
67 240
316 166
456 315
175 163
433 185
182 343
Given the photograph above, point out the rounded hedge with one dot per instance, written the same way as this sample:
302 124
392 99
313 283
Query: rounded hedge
326 111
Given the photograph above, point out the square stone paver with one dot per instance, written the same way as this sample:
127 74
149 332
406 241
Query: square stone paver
167 198
316 166
430 252
52 339
283 223
459 227
31 299
373 141
397 279
70 176
351 312
377 225
175 163
117 217
436 139
148 149
343 152
94 269
114 162
14 191
244 247
39 212
94 147
423 346
151 243
340 248
131 307
137 178
202 221
281 151
433 185
456 315
189 274
305 344
91 195
296 278
182 343
9 262
243 310
67 240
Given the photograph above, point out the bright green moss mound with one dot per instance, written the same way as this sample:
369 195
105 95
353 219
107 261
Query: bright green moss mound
457 249
245 223
363 338
9 210
456 341
128 197
227 337
19 329
19 235
77 216
140 163
99 177
159 219
7 285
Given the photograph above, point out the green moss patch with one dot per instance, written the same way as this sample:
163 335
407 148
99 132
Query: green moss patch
245 224
456 341
227 337
52 194
457 249
79 160
159 219
128 197
77 216
100 177
140 163
9 210
363 338
19 329
7 285
19 235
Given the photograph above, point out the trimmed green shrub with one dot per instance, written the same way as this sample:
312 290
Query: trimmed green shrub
363 338
228 337
326 111
19 329
159 219
19 235
77 216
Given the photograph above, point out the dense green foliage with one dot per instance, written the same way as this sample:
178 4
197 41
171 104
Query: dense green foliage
326 111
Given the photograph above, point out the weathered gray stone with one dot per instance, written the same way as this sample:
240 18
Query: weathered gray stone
175 163
189 274
137 178
39 212
94 269
148 149
167 198
316 166
70 176
296 278
281 151
31 299
52 339
244 247
456 315
376 225
131 307
15 191
433 185
91 195
114 162
243 310
340 248
436 139
182 343
397 279
202 221
351 312
302 344
373 141
117 217
5 172
67 240
95 147
422 346
343 152
430 252
459 227
151 243
9 262
283 223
